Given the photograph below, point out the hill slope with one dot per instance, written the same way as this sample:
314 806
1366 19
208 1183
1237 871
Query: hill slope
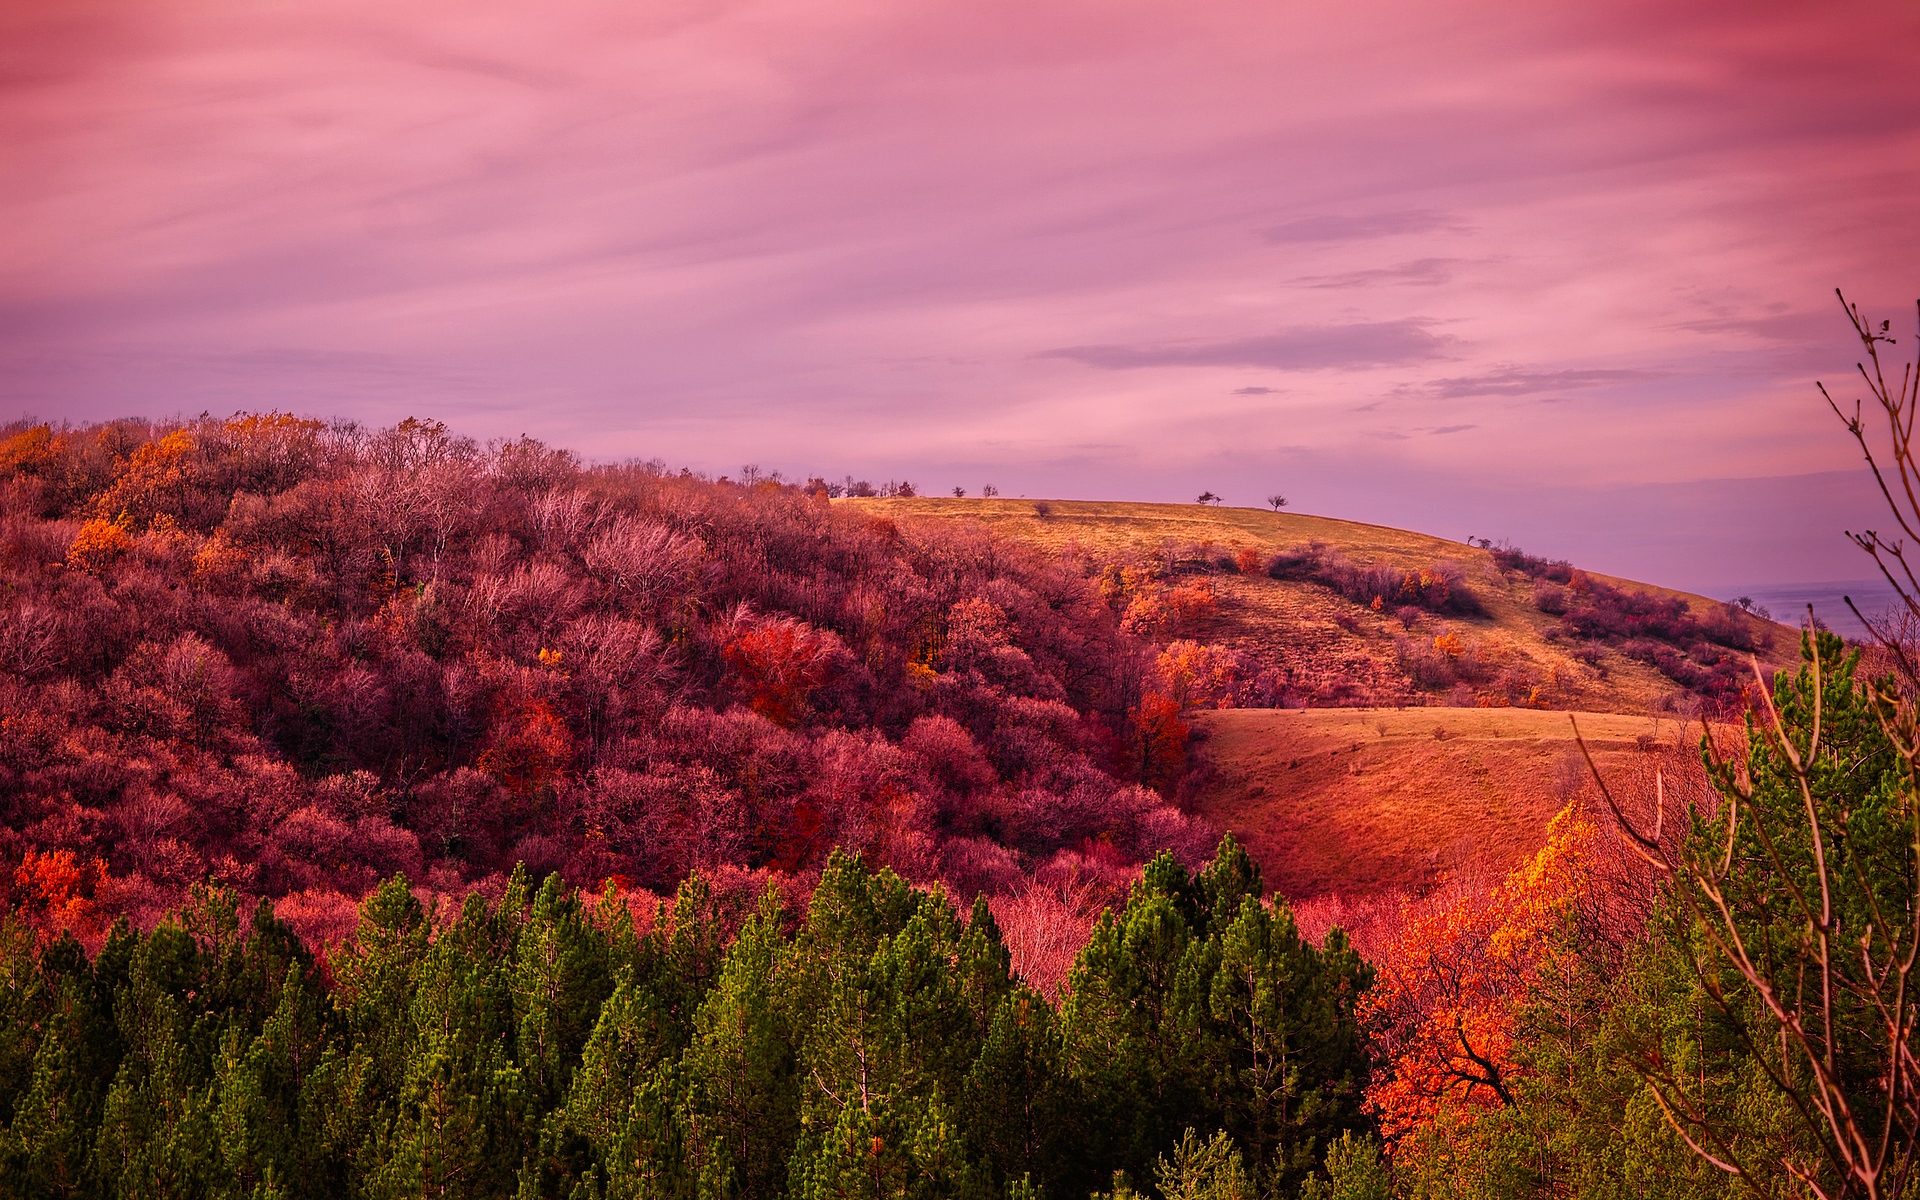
1351 804
297 658
1338 652
1363 802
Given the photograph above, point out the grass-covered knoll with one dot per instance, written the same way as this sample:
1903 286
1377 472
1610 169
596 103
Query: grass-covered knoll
1326 645
1357 805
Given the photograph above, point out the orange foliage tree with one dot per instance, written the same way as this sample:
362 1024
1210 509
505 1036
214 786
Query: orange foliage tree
1190 603
1153 611
153 479
272 448
221 559
1159 740
1197 674
1426 587
1452 987
60 886
98 543
29 452
1119 583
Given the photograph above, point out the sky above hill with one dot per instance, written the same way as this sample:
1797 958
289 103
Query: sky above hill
1556 273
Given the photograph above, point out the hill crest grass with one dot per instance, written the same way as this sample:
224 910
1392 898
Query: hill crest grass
1334 652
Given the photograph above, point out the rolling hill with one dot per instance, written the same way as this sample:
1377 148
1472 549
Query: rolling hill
1364 802
1356 800
1345 653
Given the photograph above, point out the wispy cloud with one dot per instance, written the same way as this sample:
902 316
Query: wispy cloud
1771 327
1419 272
1254 391
1308 348
1521 381
1355 227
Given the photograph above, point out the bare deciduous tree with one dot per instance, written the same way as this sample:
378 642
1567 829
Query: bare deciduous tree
1802 890
1898 479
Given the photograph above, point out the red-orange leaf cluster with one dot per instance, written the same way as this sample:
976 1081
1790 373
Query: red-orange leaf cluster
1452 986
1159 738
529 750
779 662
61 885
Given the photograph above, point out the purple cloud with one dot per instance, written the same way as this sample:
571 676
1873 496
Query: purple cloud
1419 272
1309 348
1342 227
1518 381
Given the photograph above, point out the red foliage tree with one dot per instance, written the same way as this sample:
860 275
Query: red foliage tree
59 885
779 662
1159 739
529 750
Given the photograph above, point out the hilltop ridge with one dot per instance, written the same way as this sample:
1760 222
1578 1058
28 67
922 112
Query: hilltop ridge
1339 653
1370 787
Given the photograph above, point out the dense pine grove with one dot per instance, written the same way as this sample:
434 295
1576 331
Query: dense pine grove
876 1045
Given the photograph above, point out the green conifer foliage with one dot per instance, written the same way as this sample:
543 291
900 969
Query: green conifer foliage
741 1094
1198 1006
537 1045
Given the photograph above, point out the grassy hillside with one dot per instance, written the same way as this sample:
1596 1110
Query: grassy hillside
1340 652
1363 802
1355 798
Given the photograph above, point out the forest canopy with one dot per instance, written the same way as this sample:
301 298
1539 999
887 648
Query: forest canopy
295 658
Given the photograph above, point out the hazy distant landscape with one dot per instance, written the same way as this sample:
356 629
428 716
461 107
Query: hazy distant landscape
1053 601
1788 602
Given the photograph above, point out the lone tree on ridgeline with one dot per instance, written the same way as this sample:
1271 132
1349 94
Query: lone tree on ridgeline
1208 498
1276 502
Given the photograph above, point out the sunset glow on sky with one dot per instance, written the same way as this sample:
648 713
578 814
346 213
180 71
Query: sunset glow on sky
1557 273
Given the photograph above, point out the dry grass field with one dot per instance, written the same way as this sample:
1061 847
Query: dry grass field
1365 803
1346 808
1346 651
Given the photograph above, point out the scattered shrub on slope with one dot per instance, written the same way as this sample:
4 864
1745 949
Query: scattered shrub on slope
1704 654
1438 588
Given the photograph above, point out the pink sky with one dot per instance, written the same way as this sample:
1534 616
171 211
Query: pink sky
1558 273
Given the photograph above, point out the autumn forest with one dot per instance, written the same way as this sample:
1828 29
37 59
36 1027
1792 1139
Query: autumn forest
388 814
959 600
